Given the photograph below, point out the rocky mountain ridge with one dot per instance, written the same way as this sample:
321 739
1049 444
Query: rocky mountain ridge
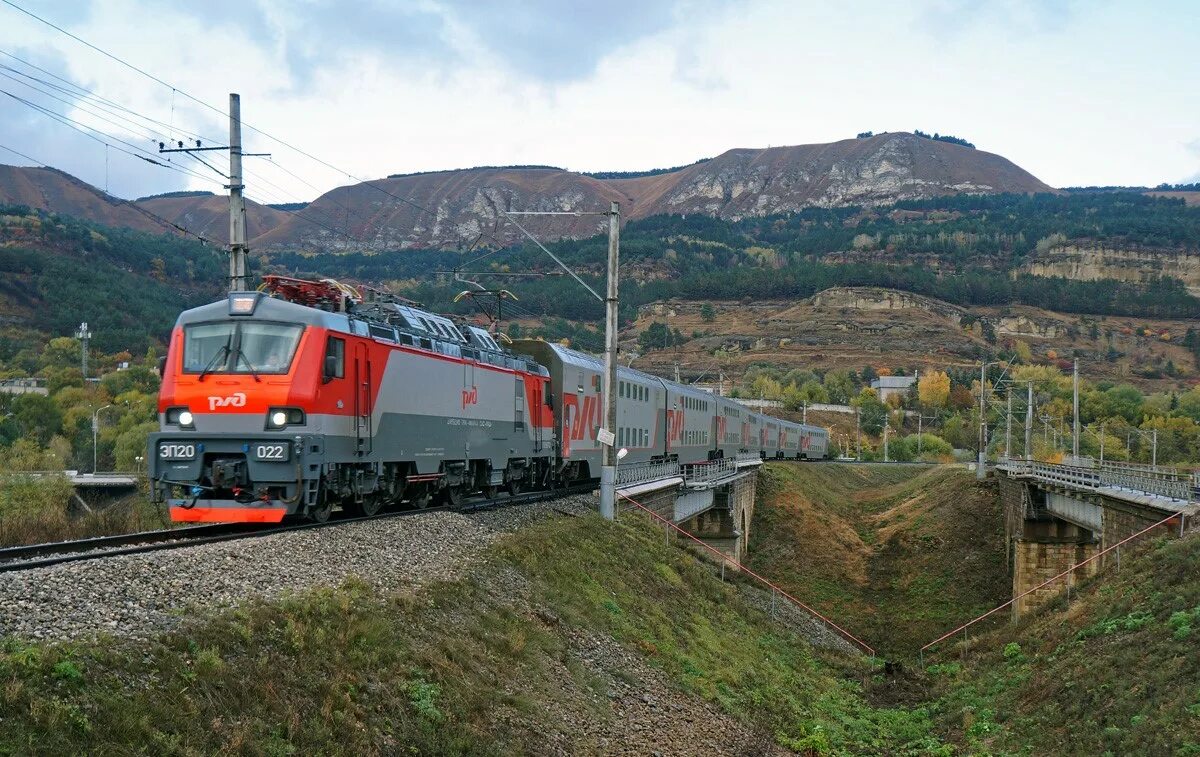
462 208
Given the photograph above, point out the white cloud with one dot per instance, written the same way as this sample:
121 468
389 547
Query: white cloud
379 88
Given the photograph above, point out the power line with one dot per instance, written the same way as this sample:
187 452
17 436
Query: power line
88 132
370 183
131 204
85 94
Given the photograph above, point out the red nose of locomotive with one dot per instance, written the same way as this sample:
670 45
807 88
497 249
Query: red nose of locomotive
234 413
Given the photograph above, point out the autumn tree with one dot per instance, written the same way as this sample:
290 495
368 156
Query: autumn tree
933 389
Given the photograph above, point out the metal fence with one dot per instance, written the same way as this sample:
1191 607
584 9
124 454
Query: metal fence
639 473
1156 481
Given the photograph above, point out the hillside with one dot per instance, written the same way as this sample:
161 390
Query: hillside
384 214
850 327
573 636
1114 673
462 204
208 216
738 183
129 286
878 170
897 553
54 191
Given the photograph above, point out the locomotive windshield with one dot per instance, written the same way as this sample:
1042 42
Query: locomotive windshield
239 347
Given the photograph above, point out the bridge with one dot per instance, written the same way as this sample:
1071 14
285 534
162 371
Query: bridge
92 490
713 500
1059 517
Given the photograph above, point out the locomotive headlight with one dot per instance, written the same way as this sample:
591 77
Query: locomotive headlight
179 416
282 417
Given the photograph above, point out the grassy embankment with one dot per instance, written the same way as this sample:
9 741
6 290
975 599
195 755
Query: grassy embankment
905 557
490 664
35 510
898 554
1115 673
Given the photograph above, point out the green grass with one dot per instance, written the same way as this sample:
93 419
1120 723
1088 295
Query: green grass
897 554
471 667
1116 673
39 510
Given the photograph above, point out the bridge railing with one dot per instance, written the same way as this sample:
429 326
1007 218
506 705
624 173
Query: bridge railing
1160 482
713 470
640 473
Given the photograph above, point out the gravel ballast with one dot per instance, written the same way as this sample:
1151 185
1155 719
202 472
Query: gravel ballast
139 596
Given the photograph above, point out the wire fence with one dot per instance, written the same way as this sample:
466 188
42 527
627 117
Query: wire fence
1064 576
775 589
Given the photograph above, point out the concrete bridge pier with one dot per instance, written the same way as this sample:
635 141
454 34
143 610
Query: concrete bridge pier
1057 517
726 526
715 503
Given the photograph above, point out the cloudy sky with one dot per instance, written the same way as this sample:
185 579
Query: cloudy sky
1078 93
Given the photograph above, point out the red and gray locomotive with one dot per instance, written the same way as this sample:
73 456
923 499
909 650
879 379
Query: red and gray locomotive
311 395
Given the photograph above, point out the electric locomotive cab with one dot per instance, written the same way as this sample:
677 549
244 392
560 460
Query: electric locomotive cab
237 440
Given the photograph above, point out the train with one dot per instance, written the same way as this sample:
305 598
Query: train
310 395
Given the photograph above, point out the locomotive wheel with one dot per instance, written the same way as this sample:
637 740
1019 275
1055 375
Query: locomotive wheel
371 505
321 512
451 496
514 487
489 492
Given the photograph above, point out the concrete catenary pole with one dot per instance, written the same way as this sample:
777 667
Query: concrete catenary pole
1029 423
1008 428
237 203
1075 414
885 442
608 470
980 471
857 433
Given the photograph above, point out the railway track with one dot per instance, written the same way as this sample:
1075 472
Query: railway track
57 553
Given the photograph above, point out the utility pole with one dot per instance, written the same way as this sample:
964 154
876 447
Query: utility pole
1154 448
608 471
858 433
1008 428
920 417
237 203
804 419
1102 445
885 441
1029 423
677 379
84 334
980 465
1075 417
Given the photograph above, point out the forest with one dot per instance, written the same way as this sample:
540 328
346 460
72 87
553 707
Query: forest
960 249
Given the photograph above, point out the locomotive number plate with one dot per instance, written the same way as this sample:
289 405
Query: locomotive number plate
271 451
176 451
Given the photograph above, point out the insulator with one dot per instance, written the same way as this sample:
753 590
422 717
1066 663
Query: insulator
181 144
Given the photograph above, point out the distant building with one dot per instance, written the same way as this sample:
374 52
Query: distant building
23 386
886 386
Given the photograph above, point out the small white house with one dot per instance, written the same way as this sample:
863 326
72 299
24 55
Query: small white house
886 386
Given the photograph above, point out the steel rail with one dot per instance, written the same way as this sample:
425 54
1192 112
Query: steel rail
57 553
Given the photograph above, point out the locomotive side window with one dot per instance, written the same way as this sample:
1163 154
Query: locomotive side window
335 358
